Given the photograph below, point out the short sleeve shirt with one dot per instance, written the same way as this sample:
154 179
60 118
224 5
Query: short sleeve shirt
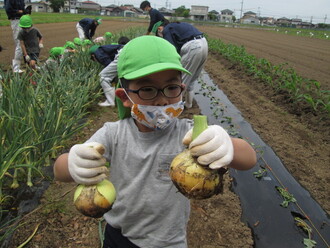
31 40
148 209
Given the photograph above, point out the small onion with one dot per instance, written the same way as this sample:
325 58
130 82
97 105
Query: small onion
95 200
192 179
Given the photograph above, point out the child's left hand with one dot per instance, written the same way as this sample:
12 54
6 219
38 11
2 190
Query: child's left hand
213 147
41 45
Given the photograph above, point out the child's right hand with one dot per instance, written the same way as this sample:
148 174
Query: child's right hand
86 165
27 58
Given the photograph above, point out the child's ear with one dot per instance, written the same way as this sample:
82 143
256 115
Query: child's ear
121 94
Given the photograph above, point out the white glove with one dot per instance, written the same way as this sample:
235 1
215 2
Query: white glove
86 164
27 58
213 147
41 45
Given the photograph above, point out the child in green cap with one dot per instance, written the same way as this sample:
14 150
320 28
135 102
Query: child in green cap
192 46
31 41
107 55
149 211
55 56
86 27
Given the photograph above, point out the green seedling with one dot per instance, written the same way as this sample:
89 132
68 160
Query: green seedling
286 196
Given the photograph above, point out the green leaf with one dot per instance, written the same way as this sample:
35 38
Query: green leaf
309 243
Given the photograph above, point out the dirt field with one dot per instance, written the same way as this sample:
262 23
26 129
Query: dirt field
300 139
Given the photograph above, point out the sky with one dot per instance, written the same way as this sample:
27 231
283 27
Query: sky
308 10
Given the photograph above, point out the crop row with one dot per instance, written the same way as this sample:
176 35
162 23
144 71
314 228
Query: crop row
280 77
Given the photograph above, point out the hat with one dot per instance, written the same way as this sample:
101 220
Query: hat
77 41
70 44
107 34
155 27
56 51
87 42
98 20
25 21
93 49
145 55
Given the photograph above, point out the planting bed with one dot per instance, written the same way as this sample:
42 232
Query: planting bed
301 140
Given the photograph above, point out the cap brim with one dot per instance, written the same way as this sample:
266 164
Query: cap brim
153 69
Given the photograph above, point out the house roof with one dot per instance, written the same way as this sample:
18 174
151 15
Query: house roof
249 13
227 11
90 2
214 12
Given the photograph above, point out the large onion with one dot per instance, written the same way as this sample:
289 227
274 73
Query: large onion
95 200
192 179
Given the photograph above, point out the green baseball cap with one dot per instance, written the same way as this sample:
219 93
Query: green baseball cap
70 44
77 41
93 49
99 20
56 51
25 21
108 34
87 42
155 27
146 55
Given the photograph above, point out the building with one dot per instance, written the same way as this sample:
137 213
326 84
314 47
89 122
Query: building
41 6
71 6
250 18
90 7
269 21
226 16
283 21
166 12
199 13
296 21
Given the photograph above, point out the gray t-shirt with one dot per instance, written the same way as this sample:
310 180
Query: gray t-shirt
148 209
31 40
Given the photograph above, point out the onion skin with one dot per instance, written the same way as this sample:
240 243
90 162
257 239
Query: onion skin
193 180
95 200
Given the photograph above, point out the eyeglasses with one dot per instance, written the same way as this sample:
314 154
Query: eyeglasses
150 92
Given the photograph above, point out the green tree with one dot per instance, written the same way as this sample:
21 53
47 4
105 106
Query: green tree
56 5
182 11
212 16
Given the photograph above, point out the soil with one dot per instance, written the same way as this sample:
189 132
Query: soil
299 137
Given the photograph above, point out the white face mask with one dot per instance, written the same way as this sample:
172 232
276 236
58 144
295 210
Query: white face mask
156 117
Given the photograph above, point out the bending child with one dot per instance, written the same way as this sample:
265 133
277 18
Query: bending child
31 41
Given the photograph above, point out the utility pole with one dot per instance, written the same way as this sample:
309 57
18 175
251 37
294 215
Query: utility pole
259 12
325 18
241 10
311 19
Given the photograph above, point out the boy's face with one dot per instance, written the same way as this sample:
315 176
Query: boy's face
158 80
26 30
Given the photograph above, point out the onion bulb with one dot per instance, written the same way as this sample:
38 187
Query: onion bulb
192 179
95 200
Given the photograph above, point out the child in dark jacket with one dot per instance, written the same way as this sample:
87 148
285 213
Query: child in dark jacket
107 55
86 27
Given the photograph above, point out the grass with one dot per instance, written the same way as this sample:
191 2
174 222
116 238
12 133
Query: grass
41 17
